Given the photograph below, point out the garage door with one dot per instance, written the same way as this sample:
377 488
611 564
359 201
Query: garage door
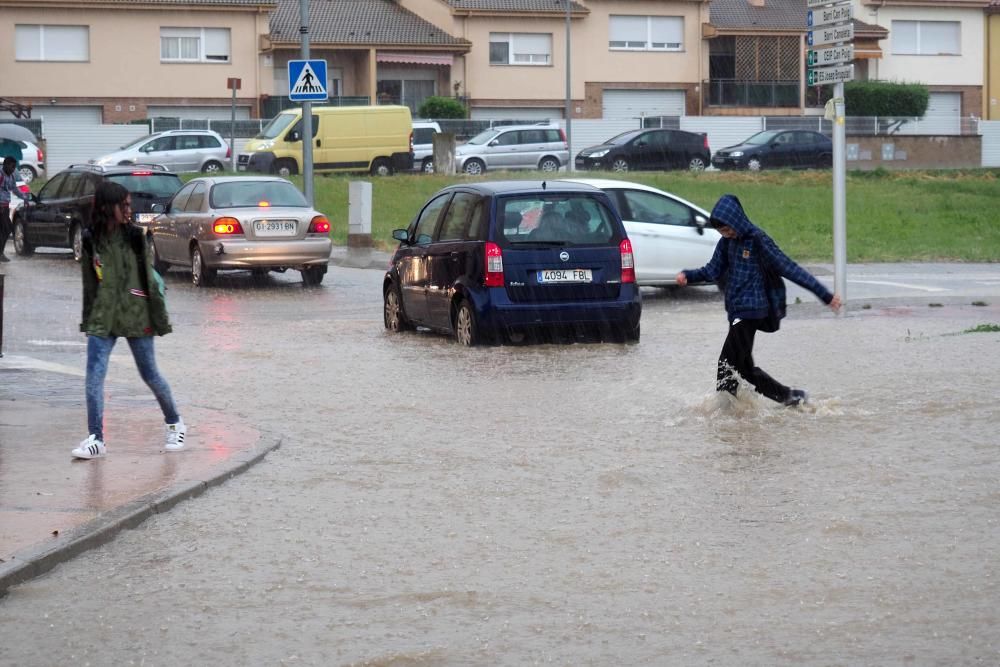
639 103
516 113
943 116
198 113
59 117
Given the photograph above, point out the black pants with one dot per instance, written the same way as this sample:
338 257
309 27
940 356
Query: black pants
737 355
5 227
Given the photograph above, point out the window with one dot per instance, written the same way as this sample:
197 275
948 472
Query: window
159 144
181 198
646 33
70 185
187 142
207 141
926 38
454 225
656 209
197 199
424 231
520 48
51 189
194 45
52 42
508 139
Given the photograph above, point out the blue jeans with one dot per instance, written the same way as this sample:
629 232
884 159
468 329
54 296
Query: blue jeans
98 352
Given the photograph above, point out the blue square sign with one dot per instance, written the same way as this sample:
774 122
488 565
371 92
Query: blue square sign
307 80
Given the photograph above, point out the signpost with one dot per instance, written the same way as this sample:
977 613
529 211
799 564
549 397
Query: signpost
832 23
234 85
306 83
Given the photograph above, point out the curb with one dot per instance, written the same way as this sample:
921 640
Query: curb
34 561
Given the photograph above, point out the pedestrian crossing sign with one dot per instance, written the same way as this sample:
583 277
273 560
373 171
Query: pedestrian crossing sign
307 80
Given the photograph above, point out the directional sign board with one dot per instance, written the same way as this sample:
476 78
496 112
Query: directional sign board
832 56
826 75
307 80
821 36
828 15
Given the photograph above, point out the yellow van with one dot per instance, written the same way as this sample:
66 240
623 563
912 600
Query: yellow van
376 139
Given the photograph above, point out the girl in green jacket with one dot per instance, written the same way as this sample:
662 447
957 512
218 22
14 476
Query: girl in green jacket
120 298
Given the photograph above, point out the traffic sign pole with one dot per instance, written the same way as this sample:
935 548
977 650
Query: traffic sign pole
839 194
307 126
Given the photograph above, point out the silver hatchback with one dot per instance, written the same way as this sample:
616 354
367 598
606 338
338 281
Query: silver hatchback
231 222
539 147
177 150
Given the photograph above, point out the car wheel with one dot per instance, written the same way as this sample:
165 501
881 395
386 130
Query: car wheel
201 275
427 166
697 163
381 167
21 245
392 313
27 173
212 167
158 264
76 241
755 164
285 168
474 167
313 275
619 164
465 325
549 164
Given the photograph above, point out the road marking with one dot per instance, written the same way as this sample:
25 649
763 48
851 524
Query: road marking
891 284
58 343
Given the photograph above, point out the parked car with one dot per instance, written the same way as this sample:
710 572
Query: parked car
16 202
648 149
777 149
486 260
423 145
668 233
231 222
514 147
32 162
177 150
59 210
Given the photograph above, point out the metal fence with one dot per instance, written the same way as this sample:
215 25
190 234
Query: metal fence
742 93
244 129
856 125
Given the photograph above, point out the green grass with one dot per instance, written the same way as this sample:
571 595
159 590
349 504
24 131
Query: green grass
984 328
892 216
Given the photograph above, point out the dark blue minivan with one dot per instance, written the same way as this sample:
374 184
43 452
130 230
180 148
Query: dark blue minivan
498 260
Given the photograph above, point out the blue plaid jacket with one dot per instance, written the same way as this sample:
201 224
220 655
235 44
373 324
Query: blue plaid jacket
736 262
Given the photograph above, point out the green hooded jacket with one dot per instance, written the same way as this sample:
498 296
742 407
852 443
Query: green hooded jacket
119 299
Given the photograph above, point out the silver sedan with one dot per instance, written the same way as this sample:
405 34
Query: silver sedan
233 222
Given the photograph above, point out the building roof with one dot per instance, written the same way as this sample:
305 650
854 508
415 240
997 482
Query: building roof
775 15
140 4
359 22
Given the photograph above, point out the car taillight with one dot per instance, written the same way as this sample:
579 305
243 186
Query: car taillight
562 134
227 226
705 137
411 142
494 265
319 225
229 152
628 261
41 156
142 173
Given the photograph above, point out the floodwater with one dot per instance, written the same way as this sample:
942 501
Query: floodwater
582 504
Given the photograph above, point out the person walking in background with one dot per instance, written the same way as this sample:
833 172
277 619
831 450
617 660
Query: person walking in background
743 258
8 186
121 298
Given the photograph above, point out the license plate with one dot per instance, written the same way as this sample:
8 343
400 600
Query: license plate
144 217
241 167
565 276
274 227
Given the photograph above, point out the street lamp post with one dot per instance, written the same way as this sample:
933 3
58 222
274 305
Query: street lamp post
569 94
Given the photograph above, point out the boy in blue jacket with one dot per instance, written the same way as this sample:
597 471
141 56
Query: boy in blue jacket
739 260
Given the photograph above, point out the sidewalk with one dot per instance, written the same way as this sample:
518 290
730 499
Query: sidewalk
53 508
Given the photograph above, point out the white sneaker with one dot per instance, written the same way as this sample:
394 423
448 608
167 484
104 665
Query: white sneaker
175 436
91 448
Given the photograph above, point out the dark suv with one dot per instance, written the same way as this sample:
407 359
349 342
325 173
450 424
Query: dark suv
506 258
56 215
648 149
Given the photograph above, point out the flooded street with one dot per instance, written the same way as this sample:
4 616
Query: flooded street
578 504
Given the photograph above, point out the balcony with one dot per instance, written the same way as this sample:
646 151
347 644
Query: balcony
742 93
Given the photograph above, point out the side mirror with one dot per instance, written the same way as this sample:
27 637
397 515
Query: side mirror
158 208
700 222
424 239
495 142
401 235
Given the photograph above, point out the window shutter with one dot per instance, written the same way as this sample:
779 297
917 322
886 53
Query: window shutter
28 42
628 29
667 32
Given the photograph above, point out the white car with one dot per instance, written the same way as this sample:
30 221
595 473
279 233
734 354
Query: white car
423 145
32 162
668 234
15 201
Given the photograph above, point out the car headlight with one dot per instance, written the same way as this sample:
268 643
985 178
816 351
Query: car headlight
599 153
736 154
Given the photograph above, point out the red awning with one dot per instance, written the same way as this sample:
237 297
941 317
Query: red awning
416 58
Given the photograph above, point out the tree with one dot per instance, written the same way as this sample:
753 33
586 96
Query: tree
441 107
894 103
